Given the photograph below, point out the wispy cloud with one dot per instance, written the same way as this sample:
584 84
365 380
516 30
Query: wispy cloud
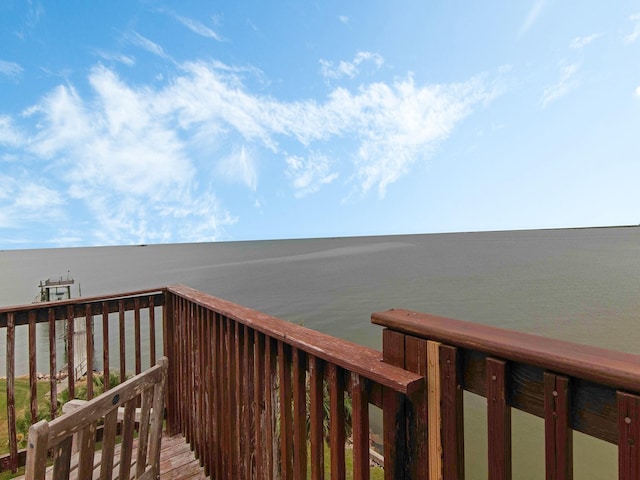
240 167
138 40
10 69
581 42
309 174
349 69
563 86
24 201
116 57
633 36
343 19
532 17
139 158
637 92
198 28
9 135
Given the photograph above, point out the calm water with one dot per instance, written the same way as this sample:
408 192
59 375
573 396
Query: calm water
578 285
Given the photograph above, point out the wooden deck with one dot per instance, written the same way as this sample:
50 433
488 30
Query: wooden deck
177 461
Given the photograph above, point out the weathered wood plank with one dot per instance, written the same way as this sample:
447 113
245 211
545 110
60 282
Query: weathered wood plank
286 424
316 416
452 413
336 422
394 411
299 414
360 427
53 368
629 433
89 350
416 360
558 435
355 358
11 399
259 409
611 368
71 382
498 421
434 415
105 347
121 342
33 385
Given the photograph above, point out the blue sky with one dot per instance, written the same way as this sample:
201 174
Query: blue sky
129 122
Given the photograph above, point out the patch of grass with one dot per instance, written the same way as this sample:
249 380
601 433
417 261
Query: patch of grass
21 392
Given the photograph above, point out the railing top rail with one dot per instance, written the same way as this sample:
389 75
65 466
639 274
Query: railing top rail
79 300
350 356
20 310
608 367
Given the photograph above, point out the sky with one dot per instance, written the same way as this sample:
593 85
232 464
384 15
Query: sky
142 122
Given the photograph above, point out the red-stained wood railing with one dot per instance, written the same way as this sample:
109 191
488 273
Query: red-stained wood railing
20 324
570 386
247 391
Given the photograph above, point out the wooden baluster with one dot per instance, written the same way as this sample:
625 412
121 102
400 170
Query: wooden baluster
123 353
499 421
360 427
558 436
316 415
394 412
217 352
11 400
628 436
237 403
33 380
299 414
434 394
249 382
89 349
53 367
259 409
136 323
271 398
452 408
416 361
152 331
105 346
336 422
71 371
286 426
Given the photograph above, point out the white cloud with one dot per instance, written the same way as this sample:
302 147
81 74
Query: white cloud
198 28
240 167
307 175
580 42
532 17
9 135
23 201
566 83
633 36
349 69
117 57
343 19
10 69
136 39
139 158
637 92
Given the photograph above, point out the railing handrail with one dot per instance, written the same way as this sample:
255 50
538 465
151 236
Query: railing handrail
20 311
607 367
364 361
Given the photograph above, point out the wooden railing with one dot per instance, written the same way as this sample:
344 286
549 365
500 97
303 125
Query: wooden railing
570 386
248 394
102 315
254 395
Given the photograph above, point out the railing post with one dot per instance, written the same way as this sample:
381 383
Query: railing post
168 332
405 419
